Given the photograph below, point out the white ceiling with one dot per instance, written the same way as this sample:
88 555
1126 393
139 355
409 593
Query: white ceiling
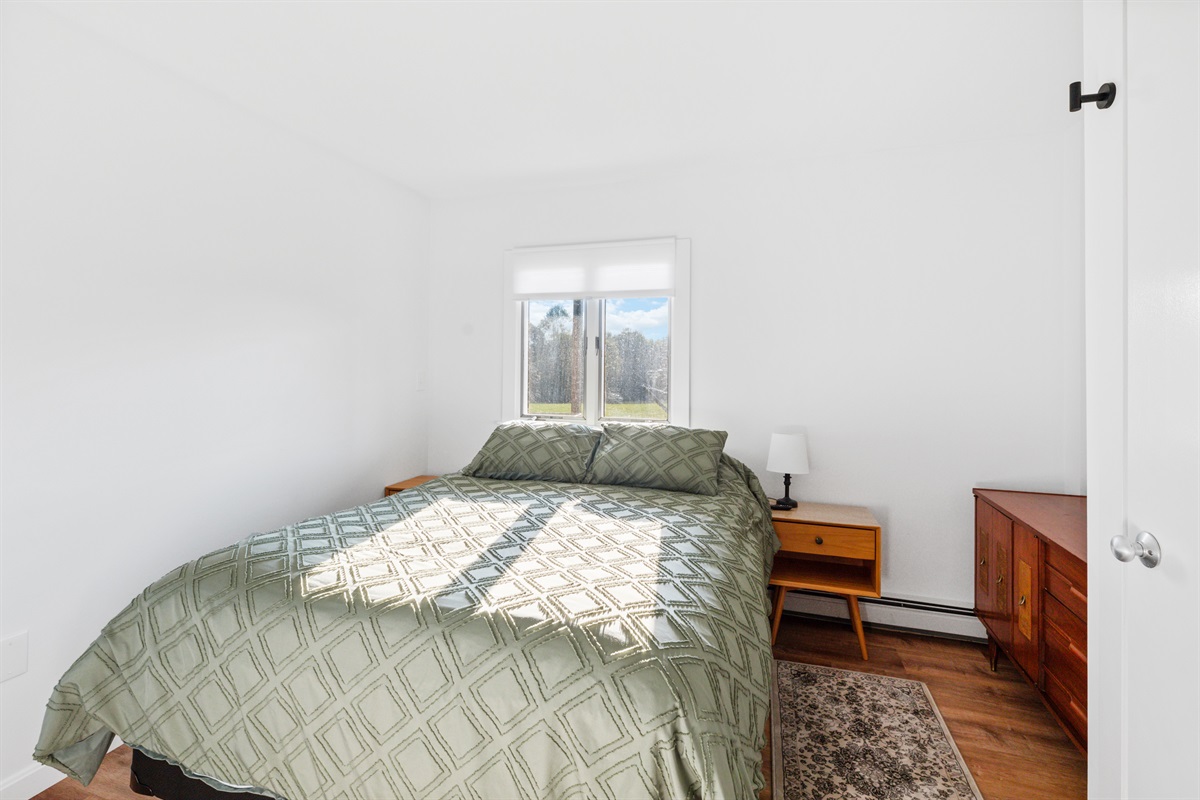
461 98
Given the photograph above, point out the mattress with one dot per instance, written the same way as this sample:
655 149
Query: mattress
466 638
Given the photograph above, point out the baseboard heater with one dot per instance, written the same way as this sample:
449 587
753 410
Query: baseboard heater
918 605
897 614
896 602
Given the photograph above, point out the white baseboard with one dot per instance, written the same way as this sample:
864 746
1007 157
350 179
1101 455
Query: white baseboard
31 781
917 619
36 778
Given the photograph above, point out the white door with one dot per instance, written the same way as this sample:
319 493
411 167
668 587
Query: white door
1142 254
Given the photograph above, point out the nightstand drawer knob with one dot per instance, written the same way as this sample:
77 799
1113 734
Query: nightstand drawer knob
820 540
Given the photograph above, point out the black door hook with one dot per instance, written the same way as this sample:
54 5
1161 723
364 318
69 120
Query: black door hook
1103 98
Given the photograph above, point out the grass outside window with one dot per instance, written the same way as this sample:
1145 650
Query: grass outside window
612 410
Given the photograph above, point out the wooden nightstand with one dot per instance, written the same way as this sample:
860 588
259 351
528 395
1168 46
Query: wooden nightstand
827 548
393 488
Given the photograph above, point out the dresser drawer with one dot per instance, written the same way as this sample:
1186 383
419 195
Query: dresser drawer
1071 626
1067 660
1068 566
825 540
1069 707
1066 592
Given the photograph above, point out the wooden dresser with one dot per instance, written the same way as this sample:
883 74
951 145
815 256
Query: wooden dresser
1031 593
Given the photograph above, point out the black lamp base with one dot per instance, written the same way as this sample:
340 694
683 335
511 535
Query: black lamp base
785 503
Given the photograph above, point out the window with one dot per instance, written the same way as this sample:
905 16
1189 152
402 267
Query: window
555 358
598 332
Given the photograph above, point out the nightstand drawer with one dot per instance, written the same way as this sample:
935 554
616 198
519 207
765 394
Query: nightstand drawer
825 540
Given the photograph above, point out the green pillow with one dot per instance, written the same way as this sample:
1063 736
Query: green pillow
658 457
531 450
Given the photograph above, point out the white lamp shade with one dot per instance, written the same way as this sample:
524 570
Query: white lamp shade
789 453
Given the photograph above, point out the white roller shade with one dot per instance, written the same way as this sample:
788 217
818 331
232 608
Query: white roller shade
616 269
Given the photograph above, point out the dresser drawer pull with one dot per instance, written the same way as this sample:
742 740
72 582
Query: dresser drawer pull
1022 601
982 561
1000 580
819 540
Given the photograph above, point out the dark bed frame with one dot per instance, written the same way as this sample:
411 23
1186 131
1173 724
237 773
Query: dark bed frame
153 778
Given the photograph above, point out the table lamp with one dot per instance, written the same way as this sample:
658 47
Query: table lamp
789 455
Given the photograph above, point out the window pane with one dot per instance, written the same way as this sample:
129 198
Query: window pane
555 347
637 352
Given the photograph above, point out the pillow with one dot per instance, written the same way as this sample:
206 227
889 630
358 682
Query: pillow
532 450
658 457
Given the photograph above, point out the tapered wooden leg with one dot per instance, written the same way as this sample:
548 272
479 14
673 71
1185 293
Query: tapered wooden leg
856 621
777 614
993 652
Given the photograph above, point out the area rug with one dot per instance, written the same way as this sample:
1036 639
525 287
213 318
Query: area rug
841 734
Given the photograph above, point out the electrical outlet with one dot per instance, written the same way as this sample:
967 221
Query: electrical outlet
14 656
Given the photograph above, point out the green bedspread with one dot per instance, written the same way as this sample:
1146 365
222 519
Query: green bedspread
466 639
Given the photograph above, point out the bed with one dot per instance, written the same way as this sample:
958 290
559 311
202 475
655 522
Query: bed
473 637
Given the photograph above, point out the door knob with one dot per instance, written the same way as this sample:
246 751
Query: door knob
1144 547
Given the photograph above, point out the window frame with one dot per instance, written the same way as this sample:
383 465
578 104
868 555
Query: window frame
513 365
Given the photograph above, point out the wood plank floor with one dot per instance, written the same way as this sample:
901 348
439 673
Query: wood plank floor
1010 742
1007 737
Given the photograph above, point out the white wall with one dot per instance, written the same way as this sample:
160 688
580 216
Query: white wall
212 327
209 328
919 310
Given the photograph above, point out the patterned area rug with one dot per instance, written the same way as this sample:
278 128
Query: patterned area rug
842 734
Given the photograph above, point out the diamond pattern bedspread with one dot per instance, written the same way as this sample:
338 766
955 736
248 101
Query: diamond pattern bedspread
466 639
